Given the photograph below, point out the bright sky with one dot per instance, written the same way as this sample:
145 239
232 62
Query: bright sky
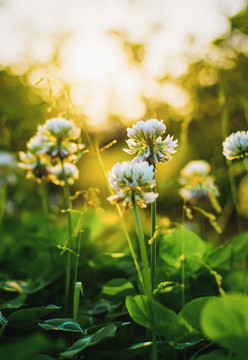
93 60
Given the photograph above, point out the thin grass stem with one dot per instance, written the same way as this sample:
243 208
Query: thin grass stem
69 285
154 242
224 123
43 193
183 256
147 279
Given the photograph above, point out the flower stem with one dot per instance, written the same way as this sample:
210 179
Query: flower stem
243 243
153 245
234 194
78 255
224 121
147 279
69 284
3 191
182 255
124 227
43 193
143 251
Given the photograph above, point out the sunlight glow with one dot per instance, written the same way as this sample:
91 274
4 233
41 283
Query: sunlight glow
90 36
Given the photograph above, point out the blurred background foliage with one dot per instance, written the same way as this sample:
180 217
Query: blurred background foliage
211 103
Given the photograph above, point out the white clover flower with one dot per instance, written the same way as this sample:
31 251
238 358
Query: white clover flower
57 175
130 180
7 168
60 128
37 166
235 146
39 144
145 140
61 135
196 180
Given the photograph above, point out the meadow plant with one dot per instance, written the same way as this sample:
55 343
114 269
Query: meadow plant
7 177
129 180
58 174
235 146
145 140
63 136
197 181
7 168
49 157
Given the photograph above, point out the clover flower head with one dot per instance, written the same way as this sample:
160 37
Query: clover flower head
57 173
36 166
130 180
235 146
145 140
61 135
196 180
60 128
7 168
39 144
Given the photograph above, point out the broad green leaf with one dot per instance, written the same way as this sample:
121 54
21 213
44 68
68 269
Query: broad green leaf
90 340
30 314
165 321
215 355
15 303
191 312
225 320
119 288
220 257
234 281
24 349
240 245
61 324
183 245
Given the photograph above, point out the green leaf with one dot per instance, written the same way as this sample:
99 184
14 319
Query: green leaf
119 288
240 245
225 320
191 312
61 324
30 314
220 258
103 333
43 357
215 355
165 321
24 349
171 249
15 303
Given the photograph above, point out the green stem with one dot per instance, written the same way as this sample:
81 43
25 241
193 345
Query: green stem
69 286
78 255
234 194
224 122
77 290
182 255
3 191
124 227
243 243
143 251
153 245
147 279
46 215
